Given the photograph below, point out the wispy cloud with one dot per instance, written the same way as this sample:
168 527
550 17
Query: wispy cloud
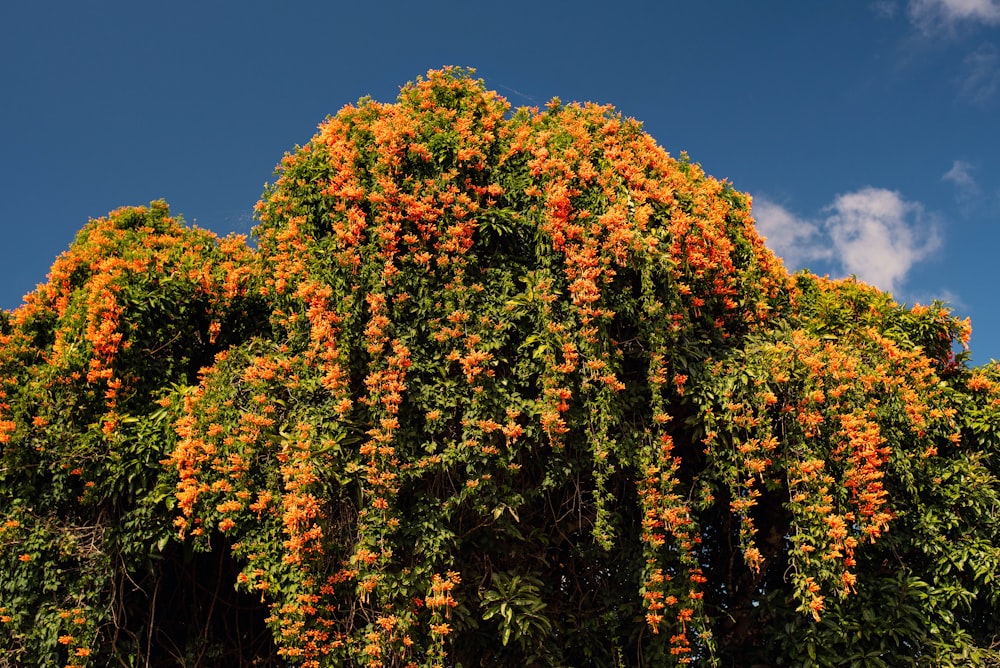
933 16
872 233
980 79
949 24
965 183
961 175
885 8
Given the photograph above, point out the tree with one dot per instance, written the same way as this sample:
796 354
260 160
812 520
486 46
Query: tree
494 386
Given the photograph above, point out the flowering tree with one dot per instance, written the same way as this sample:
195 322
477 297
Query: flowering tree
493 387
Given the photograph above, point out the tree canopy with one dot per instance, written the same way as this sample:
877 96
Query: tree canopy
491 386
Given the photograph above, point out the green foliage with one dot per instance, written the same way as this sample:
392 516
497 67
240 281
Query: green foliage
516 603
494 388
129 314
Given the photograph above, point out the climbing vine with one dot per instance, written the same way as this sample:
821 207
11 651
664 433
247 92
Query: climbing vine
494 385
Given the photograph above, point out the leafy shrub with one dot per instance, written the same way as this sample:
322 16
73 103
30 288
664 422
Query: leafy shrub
495 386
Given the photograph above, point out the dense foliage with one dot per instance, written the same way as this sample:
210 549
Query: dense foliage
492 387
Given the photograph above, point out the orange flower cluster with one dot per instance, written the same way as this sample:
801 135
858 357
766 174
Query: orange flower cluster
125 311
810 418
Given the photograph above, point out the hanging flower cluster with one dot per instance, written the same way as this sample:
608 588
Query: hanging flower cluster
818 412
136 304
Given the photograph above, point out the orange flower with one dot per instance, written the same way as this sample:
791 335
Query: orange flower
440 629
816 605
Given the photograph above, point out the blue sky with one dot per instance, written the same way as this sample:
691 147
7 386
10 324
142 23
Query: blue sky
867 132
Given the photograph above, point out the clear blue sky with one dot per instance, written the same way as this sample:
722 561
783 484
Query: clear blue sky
867 132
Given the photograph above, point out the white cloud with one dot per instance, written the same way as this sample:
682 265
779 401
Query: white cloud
936 15
796 240
878 236
872 233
